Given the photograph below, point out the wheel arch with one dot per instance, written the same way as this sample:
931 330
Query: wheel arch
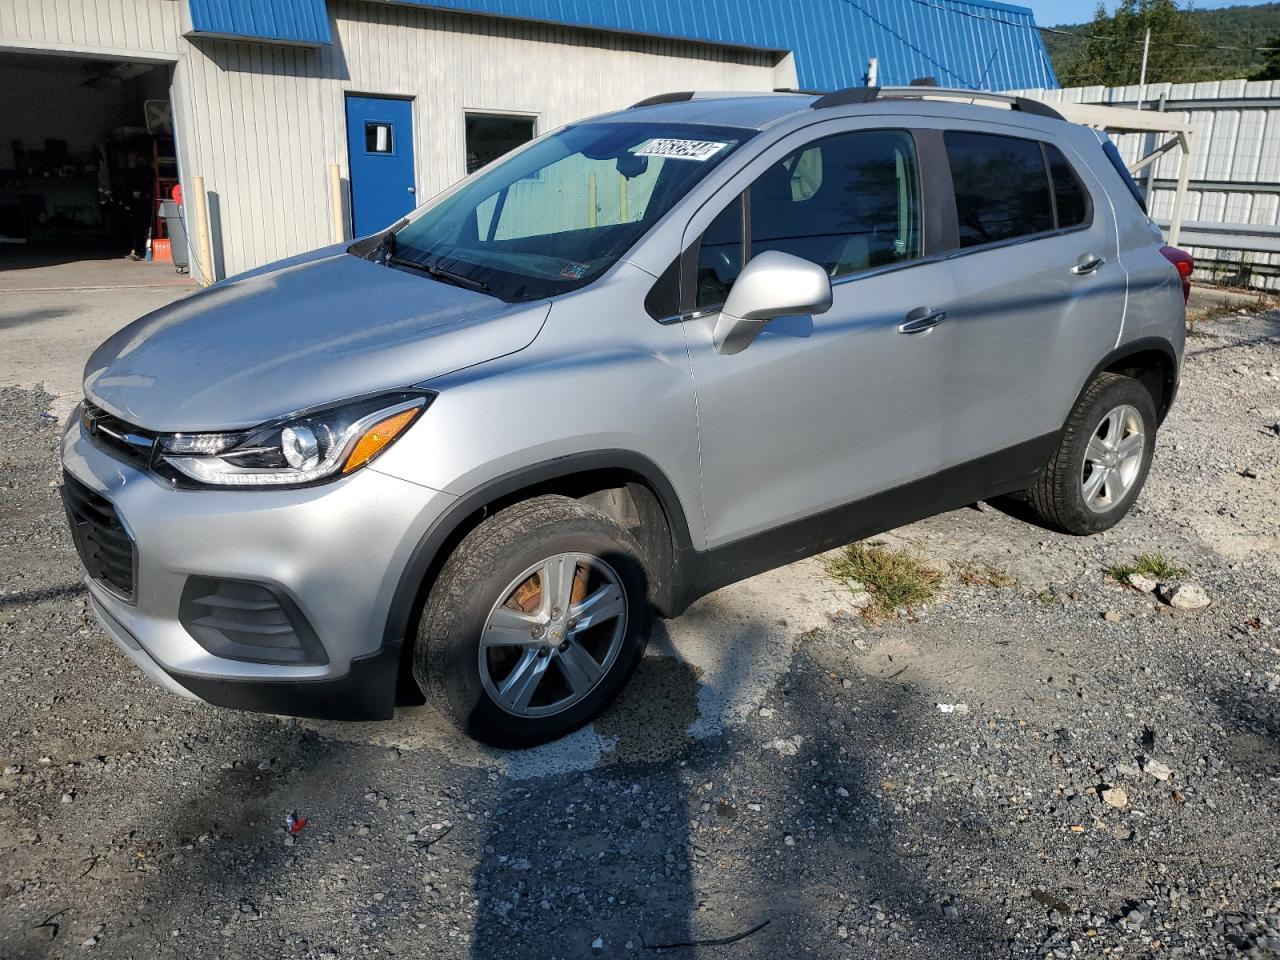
1152 361
623 484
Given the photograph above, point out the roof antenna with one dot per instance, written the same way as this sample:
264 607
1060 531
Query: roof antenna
924 82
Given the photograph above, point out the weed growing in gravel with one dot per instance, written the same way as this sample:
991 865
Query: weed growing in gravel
974 574
1155 565
894 578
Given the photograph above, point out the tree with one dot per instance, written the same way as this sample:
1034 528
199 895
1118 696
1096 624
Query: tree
1110 52
1271 68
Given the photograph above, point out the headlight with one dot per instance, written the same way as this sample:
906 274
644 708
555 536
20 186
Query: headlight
303 449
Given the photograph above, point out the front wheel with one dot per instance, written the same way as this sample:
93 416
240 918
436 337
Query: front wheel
535 623
1102 459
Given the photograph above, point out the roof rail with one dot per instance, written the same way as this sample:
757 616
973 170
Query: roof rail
849 95
663 98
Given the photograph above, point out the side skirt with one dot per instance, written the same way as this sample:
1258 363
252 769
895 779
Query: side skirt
1007 471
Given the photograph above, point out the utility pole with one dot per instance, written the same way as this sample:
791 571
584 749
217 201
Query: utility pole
872 76
1142 78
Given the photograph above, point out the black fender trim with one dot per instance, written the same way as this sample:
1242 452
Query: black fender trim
441 533
1132 348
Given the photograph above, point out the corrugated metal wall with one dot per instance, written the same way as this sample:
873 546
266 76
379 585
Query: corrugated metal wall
964 43
1232 215
297 21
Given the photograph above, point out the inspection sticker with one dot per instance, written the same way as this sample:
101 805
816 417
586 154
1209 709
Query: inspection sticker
700 150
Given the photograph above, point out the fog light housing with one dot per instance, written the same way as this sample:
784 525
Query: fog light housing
244 620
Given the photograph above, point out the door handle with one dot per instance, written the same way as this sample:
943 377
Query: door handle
921 319
1086 265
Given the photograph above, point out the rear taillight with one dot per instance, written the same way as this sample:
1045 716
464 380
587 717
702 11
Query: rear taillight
1184 263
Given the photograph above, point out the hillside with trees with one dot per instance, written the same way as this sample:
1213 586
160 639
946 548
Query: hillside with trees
1108 50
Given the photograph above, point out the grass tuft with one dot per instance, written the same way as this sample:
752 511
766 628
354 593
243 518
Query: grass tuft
1155 565
894 578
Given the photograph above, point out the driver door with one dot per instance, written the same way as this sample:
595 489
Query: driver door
821 411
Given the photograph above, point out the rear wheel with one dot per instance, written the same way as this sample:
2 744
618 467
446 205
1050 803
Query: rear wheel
1102 458
535 622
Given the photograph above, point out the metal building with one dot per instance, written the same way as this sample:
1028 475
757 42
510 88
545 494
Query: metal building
265 104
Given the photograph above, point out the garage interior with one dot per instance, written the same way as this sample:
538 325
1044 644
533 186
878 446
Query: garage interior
86 160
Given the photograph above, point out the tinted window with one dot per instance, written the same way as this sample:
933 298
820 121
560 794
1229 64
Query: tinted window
1002 189
849 202
720 256
1117 161
1070 200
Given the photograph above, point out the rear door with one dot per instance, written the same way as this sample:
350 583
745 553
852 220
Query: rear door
1039 289
380 161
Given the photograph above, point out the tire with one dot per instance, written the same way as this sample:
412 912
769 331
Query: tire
486 586
1112 406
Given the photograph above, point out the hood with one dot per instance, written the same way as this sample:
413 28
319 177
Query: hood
308 331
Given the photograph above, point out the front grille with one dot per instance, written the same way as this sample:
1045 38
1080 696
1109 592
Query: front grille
128 442
241 620
105 547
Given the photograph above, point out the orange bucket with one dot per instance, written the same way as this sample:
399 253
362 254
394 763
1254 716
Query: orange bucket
160 251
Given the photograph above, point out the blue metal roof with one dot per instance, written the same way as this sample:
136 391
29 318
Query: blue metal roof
280 21
979 44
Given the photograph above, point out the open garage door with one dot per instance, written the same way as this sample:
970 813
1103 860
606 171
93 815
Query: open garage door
87 161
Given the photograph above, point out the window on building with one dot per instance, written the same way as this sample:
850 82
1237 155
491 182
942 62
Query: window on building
1070 200
378 137
490 135
1002 187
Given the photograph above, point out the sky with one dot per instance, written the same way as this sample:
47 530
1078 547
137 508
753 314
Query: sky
1050 13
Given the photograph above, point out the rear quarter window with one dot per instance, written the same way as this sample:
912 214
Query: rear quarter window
1117 161
1071 202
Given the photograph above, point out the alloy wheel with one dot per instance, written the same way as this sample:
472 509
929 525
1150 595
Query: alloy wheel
1113 459
553 635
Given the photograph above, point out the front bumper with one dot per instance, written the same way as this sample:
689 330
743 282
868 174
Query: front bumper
336 550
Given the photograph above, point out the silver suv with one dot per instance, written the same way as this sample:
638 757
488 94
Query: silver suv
642 357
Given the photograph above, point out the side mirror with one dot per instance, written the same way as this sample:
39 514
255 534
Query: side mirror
772 284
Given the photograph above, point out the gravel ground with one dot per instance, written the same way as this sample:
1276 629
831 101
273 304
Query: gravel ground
1060 766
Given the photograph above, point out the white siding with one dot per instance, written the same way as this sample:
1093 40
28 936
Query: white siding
137 28
266 121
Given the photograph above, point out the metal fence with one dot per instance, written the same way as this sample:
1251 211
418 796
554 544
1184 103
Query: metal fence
1232 214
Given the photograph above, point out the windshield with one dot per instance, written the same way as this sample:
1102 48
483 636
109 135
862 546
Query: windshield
559 213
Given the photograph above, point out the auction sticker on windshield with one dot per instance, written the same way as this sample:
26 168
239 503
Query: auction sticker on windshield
700 150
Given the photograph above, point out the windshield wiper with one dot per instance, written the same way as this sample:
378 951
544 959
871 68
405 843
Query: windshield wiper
439 273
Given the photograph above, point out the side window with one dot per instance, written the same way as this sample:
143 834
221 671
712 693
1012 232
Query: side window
720 256
1070 200
848 202
1002 187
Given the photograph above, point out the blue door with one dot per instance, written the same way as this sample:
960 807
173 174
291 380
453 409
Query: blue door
380 158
